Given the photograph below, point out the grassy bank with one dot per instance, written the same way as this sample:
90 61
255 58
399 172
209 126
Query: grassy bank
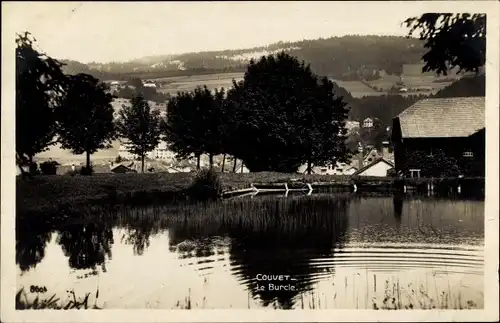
51 193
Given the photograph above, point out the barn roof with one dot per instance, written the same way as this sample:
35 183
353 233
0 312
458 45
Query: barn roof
373 163
446 117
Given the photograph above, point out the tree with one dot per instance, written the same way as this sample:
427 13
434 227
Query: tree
140 127
180 127
195 123
453 40
437 164
283 116
211 127
40 84
327 135
86 116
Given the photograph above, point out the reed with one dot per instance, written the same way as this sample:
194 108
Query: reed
53 302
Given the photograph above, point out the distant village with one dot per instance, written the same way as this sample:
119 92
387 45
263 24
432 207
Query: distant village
455 125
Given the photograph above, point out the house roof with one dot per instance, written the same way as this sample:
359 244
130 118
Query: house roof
376 161
443 118
120 166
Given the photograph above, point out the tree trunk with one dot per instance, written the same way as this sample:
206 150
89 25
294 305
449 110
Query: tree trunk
210 160
241 171
223 162
142 163
309 167
88 161
234 165
198 159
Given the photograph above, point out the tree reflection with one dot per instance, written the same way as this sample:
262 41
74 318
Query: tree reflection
87 245
32 236
397 203
297 232
139 232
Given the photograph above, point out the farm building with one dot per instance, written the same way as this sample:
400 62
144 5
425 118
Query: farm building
455 126
378 167
337 169
368 123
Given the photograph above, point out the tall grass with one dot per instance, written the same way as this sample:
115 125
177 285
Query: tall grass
53 302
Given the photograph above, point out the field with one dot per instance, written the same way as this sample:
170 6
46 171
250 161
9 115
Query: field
64 156
426 83
176 84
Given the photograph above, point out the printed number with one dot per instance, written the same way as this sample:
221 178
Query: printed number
38 289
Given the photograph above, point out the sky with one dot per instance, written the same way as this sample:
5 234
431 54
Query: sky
121 31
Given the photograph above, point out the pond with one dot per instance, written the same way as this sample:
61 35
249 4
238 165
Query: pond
328 251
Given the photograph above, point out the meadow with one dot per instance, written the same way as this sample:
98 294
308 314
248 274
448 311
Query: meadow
176 84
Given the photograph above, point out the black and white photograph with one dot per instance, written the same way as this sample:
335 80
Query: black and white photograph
271 160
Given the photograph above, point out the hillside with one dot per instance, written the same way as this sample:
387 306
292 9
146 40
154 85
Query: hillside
343 58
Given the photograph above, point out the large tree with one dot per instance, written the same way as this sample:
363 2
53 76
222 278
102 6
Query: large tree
86 116
195 123
39 87
284 116
180 127
452 40
139 126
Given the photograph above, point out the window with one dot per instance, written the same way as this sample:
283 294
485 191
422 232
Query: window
468 153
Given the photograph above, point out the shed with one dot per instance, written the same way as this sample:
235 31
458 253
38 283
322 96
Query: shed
378 167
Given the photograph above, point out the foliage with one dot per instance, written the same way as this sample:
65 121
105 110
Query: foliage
39 87
436 164
283 116
181 126
49 167
383 107
206 185
135 87
194 123
139 126
118 159
86 116
452 40
87 170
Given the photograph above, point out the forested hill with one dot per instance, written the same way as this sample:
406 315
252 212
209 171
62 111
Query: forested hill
344 58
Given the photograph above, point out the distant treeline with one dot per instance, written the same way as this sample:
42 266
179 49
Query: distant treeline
386 107
345 58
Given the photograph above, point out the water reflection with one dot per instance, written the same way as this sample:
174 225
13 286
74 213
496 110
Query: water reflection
86 245
318 226
32 237
316 240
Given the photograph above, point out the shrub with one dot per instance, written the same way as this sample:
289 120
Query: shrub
118 159
71 172
391 172
33 169
86 170
49 167
206 185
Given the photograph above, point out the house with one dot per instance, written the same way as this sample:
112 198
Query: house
162 152
368 123
378 167
351 125
337 169
456 126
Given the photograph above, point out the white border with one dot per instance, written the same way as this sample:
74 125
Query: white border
490 313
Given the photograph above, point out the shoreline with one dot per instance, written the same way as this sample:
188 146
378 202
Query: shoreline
53 193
